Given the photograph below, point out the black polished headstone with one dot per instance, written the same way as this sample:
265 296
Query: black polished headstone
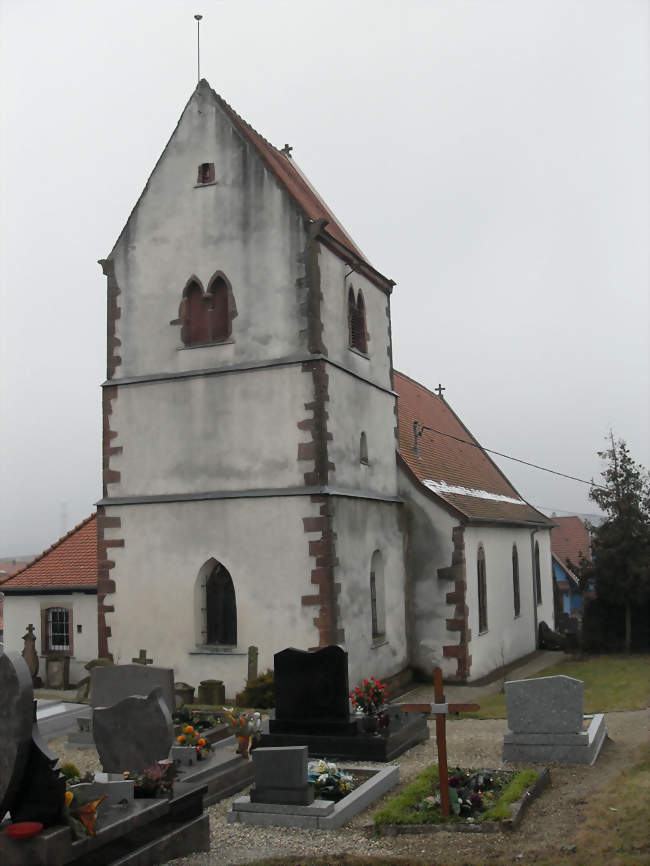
311 691
41 792
134 733
16 717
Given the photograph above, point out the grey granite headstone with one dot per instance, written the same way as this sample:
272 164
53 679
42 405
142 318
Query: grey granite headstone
134 733
544 705
16 716
115 682
281 776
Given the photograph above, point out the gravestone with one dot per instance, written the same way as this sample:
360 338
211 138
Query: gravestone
113 683
212 692
31 655
253 655
312 694
281 776
134 733
16 716
546 722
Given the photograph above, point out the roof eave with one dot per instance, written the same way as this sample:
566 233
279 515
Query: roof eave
435 497
352 258
47 590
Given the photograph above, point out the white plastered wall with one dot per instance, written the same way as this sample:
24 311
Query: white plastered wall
508 637
20 610
362 527
226 432
265 549
243 225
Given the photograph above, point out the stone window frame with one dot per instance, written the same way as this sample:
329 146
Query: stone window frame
47 647
516 586
481 574
363 449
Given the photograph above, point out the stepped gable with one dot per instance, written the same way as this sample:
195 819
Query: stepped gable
460 473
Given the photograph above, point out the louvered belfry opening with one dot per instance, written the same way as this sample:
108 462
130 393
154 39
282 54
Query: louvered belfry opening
357 335
221 607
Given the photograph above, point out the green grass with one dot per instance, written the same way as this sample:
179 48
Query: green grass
402 809
513 792
612 683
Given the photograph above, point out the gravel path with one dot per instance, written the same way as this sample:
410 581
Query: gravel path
550 824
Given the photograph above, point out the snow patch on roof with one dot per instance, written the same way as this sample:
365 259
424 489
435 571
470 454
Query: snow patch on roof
443 488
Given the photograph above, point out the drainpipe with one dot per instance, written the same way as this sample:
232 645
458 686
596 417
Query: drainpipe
532 571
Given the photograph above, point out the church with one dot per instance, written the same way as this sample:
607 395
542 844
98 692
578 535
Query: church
269 479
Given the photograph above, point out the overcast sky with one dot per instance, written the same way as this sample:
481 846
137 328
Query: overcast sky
490 156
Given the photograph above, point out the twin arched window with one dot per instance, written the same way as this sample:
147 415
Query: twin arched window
357 334
206 317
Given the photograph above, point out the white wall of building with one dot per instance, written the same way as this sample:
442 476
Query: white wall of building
226 432
20 610
508 637
363 527
262 544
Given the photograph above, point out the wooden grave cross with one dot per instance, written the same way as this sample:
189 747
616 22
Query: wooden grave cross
441 710
142 659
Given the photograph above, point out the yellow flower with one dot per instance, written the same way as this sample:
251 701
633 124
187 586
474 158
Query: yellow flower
180 739
188 730
68 797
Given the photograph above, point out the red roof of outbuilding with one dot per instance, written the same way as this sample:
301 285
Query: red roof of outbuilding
570 539
458 472
69 562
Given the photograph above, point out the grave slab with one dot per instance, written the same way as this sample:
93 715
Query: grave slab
134 733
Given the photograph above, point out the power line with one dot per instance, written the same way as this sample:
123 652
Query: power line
418 432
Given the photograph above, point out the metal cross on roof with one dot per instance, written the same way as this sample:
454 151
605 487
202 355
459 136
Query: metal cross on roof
439 390
441 710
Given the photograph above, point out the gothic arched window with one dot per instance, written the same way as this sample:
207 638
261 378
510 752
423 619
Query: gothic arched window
363 449
482 591
220 607
377 596
538 575
515 580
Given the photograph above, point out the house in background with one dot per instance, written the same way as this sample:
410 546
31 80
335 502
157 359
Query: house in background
570 542
7 568
252 494
57 594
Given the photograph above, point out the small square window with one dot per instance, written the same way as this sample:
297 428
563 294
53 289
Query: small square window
206 173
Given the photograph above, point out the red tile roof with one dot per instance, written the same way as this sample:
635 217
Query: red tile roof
569 539
69 562
460 474
290 176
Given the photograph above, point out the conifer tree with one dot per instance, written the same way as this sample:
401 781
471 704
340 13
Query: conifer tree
620 549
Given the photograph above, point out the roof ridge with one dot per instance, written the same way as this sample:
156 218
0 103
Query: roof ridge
52 547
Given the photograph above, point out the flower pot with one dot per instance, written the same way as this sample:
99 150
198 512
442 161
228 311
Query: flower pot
243 746
186 756
370 724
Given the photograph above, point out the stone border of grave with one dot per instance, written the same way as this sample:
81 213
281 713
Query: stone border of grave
517 811
321 814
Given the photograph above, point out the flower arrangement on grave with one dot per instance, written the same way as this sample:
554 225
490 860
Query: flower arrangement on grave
471 792
80 814
247 727
370 696
153 781
329 782
196 718
190 738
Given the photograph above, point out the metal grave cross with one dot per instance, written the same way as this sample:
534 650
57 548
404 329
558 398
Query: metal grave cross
142 659
441 710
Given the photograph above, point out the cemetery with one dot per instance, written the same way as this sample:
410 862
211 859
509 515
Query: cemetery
311 763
